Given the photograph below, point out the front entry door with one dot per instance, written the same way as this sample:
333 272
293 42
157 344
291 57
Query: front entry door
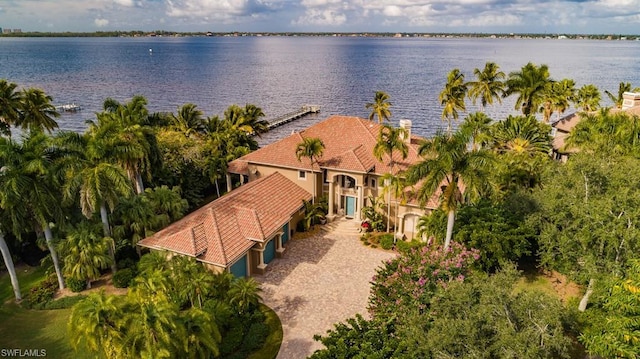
350 206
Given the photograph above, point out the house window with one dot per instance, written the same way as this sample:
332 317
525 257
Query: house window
302 175
325 176
348 182
373 183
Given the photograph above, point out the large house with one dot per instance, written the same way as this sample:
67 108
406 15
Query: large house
245 229
347 173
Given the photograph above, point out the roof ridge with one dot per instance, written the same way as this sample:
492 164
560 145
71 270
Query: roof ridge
255 216
218 237
353 150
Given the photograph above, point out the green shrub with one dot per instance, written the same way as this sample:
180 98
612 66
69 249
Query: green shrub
127 263
386 241
76 285
123 278
232 339
42 293
64 303
255 337
404 246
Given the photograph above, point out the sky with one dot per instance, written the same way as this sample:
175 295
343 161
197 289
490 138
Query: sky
481 16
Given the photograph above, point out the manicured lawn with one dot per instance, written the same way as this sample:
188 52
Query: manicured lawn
27 277
274 340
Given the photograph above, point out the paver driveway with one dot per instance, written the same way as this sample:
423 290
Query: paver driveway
322 279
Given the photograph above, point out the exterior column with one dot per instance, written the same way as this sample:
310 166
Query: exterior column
261 264
359 203
399 226
229 184
332 198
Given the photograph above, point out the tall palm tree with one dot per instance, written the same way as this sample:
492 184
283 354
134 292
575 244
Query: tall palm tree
189 120
126 138
380 107
311 148
10 102
530 84
447 165
85 252
389 140
622 88
135 219
476 126
254 116
564 93
452 97
588 98
36 111
167 203
98 183
393 186
247 119
489 85
94 324
36 159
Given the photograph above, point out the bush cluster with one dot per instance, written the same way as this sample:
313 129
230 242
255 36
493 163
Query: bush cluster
42 293
123 278
76 285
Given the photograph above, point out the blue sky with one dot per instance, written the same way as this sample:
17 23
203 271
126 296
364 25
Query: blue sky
485 16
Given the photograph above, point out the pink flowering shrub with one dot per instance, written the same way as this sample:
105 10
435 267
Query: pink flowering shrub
410 281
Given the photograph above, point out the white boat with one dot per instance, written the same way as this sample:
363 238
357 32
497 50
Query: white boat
70 107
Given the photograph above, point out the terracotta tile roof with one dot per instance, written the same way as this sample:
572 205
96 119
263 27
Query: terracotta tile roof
223 230
567 123
349 143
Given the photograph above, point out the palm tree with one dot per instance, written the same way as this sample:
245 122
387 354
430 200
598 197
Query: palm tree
94 324
188 121
476 126
153 261
247 119
380 107
39 193
588 98
8 263
488 86
564 93
202 333
622 88
135 219
452 97
85 252
530 84
447 165
311 148
126 138
167 203
36 111
389 140
393 186
10 102
244 294
254 117
522 135
99 184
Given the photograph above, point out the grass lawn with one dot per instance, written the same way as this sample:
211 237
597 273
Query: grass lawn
32 329
274 340
27 277
552 283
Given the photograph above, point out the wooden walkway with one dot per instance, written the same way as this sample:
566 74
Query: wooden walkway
292 116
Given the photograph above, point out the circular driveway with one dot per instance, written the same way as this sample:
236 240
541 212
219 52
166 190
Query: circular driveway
323 279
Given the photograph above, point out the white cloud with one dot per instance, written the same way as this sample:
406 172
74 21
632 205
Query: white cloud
206 8
321 17
127 3
392 11
101 22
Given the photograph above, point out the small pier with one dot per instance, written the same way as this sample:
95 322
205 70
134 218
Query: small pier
292 116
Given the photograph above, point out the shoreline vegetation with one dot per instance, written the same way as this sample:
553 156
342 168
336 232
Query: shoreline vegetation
163 33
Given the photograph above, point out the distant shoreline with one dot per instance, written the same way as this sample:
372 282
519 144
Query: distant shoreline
19 33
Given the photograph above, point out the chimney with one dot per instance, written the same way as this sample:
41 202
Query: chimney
630 99
406 124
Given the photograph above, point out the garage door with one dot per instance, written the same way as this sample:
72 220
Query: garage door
270 251
239 268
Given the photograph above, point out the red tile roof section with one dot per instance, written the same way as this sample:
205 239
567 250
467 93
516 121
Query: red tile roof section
349 143
233 223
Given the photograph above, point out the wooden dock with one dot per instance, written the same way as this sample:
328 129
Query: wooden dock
292 116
